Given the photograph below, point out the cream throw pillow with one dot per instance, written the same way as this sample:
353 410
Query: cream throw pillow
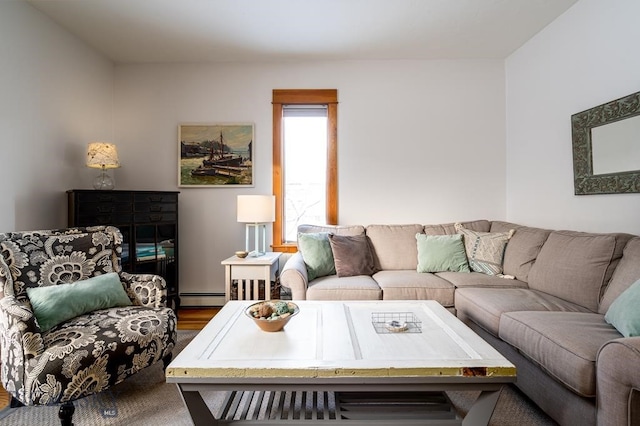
485 250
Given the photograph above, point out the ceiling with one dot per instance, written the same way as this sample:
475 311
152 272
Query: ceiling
147 31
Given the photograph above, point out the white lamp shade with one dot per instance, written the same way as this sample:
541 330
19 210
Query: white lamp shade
102 155
256 208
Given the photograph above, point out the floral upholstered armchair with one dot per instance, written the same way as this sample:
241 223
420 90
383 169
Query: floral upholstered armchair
59 362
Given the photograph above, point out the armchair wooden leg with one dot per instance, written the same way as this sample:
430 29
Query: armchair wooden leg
166 360
15 403
66 414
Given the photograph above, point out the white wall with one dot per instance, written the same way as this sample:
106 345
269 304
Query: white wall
586 57
419 142
57 95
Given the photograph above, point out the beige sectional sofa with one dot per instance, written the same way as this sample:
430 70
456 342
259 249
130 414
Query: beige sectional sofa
546 313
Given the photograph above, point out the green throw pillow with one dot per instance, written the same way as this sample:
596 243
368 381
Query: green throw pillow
624 314
316 253
56 304
440 253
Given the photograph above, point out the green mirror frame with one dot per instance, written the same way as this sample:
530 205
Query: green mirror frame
585 182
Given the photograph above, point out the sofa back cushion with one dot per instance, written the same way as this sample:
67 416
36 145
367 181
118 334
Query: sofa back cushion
450 229
523 248
394 246
627 272
52 257
577 266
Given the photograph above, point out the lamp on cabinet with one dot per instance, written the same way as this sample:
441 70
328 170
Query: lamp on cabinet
256 211
102 155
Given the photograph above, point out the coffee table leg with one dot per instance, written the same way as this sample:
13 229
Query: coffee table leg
200 413
482 410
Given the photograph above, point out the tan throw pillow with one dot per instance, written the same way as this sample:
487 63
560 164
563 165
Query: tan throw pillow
485 250
352 255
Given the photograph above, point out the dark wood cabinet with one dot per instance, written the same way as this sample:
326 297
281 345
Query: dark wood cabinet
148 221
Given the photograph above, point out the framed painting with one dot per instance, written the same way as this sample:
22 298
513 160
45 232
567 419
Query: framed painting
215 155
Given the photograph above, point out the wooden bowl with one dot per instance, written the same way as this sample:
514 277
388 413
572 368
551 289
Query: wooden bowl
242 254
272 324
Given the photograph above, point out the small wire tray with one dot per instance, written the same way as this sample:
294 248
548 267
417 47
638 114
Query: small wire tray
395 322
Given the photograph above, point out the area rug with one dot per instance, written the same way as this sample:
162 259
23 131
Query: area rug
146 399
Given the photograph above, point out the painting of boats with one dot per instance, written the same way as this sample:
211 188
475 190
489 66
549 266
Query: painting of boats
216 154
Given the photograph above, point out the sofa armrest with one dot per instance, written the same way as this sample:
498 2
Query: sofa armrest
20 341
145 289
294 277
618 382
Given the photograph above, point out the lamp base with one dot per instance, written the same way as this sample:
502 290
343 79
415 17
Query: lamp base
258 228
103 181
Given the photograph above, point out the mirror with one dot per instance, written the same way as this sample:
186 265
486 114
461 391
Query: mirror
606 147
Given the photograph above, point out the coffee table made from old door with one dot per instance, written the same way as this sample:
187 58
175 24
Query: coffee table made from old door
338 363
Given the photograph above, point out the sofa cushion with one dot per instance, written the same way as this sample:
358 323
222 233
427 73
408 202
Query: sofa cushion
523 248
478 279
449 228
361 287
94 351
485 250
316 253
394 246
576 266
438 253
624 312
484 306
55 304
411 285
565 344
627 272
352 255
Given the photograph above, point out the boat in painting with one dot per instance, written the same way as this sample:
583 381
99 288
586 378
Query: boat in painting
220 156
218 170
221 162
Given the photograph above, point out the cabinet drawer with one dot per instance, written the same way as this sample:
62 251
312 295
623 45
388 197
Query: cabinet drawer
155 207
104 219
152 197
104 208
103 197
153 217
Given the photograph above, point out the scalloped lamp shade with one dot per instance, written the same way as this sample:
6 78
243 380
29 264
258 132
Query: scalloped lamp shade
102 155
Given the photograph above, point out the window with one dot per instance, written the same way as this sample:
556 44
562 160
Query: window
304 161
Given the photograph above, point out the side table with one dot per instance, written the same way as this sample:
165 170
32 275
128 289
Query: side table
248 270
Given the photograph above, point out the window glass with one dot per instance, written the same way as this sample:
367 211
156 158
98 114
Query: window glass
305 168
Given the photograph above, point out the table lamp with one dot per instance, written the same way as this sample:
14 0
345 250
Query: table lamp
256 211
102 155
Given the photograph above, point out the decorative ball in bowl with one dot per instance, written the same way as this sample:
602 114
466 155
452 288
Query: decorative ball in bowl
242 254
272 315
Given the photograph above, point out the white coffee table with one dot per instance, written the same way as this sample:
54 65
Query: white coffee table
333 348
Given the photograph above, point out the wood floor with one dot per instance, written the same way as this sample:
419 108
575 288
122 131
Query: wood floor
188 319
195 318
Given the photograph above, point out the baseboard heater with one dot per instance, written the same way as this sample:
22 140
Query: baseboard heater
191 300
